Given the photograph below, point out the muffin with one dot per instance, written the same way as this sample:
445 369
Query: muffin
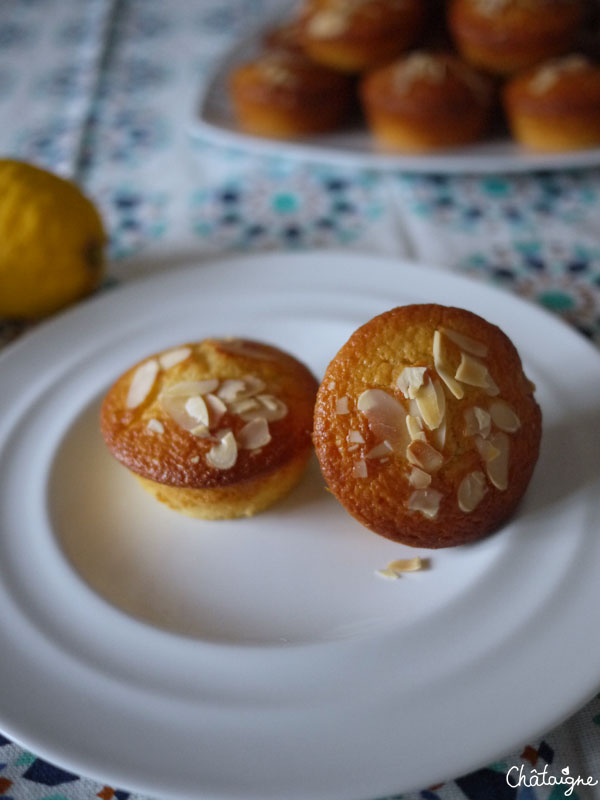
555 106
281 94
425 101
426 427
504 36
215 429
357 35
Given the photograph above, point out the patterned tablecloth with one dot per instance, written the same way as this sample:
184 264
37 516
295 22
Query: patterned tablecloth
103 91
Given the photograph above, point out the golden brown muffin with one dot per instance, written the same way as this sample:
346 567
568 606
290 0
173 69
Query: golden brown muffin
282 94
504 36
357 35
426 101
216 429
556 106
426 427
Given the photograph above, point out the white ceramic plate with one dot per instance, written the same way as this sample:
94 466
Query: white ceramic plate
354 147
263 658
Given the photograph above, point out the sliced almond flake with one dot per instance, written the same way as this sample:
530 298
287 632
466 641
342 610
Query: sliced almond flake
472 371
278 74
201 431
550 72
477 422
441 398
224 454
431 403
189 388
174 406
425 456
254 385
175 356
497 468
439 435
415 428
194 459
410 381
216 408
231 389
418 65
491 387
386 417
441 395
413 410
353 447
244 405
426 501
254 434
274 407
380 450
388 574
331 386
269 401
486 449
196 407
359 470
155 425
471 346
483 421
240 347
268 406
356 436
327 23
415 564
442 370
504 417
342 405
471 491
141 383
419 478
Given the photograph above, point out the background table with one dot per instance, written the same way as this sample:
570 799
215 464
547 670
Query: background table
103 91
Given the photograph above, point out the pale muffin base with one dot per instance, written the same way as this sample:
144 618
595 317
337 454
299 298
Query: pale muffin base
553 134
409 136
230 502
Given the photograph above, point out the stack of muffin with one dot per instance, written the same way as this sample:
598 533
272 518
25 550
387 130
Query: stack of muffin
427 74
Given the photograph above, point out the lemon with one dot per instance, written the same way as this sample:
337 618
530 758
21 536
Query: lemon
51 242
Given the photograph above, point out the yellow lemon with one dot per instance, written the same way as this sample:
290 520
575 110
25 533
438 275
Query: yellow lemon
51 242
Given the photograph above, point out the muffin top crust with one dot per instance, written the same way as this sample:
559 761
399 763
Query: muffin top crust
211 413
426 427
